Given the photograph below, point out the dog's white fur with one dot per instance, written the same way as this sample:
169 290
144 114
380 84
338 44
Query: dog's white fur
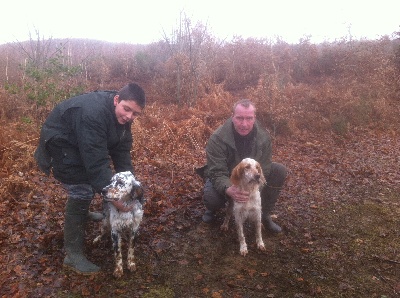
247 176
126 192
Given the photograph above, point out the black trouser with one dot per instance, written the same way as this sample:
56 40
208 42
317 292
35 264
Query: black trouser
269 194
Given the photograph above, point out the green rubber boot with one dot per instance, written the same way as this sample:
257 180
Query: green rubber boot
270 225
76 216
95 216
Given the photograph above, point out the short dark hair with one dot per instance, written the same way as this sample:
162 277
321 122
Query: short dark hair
244 102
134 92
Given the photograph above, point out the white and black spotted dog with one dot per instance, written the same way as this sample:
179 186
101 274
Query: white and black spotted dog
123 200
247 176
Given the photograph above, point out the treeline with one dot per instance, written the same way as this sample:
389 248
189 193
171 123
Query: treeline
359 77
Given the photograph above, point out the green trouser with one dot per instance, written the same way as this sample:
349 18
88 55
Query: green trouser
269 196
76 217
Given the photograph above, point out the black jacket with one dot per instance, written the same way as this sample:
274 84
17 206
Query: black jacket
80 136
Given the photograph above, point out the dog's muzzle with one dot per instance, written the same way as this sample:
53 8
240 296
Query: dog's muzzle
103 195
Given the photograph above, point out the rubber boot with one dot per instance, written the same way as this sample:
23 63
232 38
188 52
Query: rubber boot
271 195
95 216
270 225
76 216
208 216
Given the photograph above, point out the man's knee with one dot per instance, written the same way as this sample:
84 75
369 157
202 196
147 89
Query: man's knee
211 198
277 176
79 191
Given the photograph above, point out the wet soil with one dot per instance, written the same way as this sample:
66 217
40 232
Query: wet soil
339 210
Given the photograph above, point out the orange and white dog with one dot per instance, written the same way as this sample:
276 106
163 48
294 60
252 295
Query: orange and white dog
247 176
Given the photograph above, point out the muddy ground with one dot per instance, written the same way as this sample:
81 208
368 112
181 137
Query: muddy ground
339 211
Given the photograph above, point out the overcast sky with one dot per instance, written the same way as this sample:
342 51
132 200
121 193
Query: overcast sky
144 21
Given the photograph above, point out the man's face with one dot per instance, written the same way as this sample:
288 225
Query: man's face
243 119
126 110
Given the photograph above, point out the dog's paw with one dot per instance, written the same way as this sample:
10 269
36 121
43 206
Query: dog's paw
243 252
118 272
261 246
97 239
243 249
224 227
131 266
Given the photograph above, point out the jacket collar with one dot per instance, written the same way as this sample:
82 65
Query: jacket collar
226 132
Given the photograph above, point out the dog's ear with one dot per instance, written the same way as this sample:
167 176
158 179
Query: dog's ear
140 194
236 174
262 178
137 193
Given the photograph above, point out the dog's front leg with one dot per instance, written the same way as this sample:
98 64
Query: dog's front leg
116 242
97 239
131 252
228 215
242 240
105 226
103 230
259 240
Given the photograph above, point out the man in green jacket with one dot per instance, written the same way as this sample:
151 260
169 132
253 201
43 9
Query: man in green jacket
78 141
239 137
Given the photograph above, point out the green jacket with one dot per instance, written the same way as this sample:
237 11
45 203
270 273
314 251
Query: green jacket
88 137
222 155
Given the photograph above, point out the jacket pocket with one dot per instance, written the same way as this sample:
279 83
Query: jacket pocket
71 156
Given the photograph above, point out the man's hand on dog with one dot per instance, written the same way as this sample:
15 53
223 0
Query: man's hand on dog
120 206
237 195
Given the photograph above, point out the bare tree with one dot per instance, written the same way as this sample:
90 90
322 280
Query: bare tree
185 45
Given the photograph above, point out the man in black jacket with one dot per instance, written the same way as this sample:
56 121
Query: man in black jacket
78 141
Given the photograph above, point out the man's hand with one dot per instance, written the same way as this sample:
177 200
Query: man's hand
120 206
237 195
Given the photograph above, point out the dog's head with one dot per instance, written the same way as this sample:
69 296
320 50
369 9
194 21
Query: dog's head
248 173
123 186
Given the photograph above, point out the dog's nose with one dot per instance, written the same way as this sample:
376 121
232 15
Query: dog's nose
257 177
